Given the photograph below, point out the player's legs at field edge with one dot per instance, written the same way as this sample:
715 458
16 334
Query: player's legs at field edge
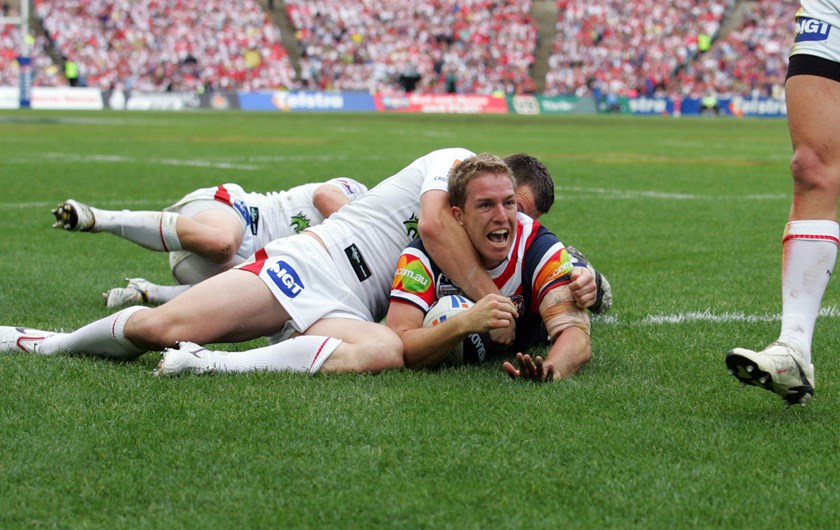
212 230
339 345
811 234
237 306
231 307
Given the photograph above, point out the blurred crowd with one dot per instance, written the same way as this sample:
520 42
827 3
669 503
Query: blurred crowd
161 45
628 47
45 71
606 48
473 46
752 59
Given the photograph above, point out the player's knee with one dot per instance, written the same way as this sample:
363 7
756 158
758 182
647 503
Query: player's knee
152 329
393 353
811 174
384 352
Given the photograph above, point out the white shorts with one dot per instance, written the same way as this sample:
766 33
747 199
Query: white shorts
305 280
226 197
229 198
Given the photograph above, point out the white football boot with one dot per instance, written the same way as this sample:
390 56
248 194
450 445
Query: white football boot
778 368
74 216
16 339
136 292
187 357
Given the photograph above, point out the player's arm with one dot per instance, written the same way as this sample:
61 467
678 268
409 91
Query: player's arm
429 346
329 197
568 328
450 247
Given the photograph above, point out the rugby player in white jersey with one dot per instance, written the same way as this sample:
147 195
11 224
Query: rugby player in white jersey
209 230
811 236
329 283
527 262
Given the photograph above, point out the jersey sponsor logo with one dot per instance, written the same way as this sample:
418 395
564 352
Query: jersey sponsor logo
243 210
286 278
478 346
519 301
445 287
300 222
809 29
411 276
558 266
411 227
255 220
357 261
346 185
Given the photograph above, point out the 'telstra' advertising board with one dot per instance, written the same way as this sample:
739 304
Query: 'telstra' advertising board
307 101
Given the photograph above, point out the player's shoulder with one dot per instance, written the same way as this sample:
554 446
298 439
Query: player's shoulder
531 230
447 156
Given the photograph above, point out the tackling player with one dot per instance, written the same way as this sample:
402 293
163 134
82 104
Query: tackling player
330 284
209 230
530 266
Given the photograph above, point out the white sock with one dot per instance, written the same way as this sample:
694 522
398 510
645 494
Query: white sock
160 294
151 230
103 337
306 353
810 250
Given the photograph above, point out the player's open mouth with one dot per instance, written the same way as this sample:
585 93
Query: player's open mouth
498 236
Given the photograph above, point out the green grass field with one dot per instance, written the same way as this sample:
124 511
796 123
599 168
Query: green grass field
684 216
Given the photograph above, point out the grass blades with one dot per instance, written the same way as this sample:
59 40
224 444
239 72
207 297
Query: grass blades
684 216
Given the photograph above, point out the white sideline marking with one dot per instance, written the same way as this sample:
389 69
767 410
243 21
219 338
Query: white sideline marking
161 161
604 193
705 316
202 163
111 204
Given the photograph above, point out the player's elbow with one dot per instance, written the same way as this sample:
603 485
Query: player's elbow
431 229
580 356
328 200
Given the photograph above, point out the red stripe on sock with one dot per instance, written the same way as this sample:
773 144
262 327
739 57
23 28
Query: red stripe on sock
160 232
318 354
811 236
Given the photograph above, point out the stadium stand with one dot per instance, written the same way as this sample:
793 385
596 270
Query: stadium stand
471 46
627 47
752 59
169 44
45 72
683 48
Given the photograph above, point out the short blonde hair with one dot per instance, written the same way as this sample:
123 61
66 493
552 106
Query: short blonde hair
462 174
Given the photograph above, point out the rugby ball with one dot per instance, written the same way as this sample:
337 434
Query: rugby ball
472 350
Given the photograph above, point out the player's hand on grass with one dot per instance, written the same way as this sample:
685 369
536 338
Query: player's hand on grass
531 369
